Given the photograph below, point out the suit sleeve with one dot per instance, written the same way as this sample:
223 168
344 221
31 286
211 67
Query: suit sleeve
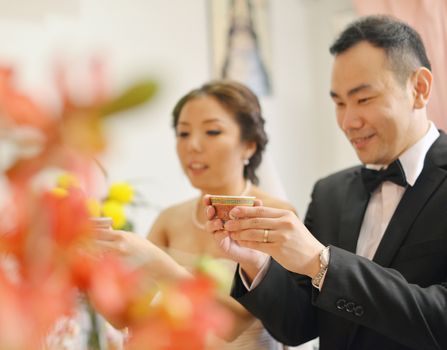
282 301
381 299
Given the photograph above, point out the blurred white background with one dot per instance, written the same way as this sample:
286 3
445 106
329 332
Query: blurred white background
170 41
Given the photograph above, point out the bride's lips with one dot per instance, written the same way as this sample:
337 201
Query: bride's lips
197 168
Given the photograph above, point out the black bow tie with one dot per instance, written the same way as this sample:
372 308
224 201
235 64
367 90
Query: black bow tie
394 173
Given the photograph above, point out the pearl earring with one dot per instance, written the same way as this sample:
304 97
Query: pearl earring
246 162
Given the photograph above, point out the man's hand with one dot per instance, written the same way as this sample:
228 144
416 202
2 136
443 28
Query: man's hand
250 260
278 233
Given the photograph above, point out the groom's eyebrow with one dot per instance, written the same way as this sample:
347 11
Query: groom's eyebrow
353 91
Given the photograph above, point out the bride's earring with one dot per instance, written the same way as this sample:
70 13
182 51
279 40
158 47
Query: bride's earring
246 162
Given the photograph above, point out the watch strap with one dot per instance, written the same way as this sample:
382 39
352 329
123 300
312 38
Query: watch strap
324 263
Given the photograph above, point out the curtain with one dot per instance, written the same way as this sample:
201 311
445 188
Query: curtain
428 17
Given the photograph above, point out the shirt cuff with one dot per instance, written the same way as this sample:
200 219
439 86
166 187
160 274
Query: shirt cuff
259 277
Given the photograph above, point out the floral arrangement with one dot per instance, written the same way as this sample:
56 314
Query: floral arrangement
44 263
119 195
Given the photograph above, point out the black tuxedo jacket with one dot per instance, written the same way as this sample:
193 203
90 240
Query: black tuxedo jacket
397 301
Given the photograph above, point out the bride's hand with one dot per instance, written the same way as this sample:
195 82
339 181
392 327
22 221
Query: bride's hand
140 253
127 245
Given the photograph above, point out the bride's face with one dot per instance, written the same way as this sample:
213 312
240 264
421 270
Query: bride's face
209 145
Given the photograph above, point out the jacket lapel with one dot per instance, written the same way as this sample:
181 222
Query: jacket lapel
352 213
413 201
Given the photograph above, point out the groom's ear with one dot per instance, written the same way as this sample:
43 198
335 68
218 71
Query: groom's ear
421 82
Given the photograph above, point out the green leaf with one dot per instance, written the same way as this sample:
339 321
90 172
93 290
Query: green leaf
135 95
128 226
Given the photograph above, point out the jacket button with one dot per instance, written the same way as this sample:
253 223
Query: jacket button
350 306
358 311
340 304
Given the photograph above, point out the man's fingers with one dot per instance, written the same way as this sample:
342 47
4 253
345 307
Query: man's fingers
220 234
210 211
253 235
252 223
256 212
214 225
206 199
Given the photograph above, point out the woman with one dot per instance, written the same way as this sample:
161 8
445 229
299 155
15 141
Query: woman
220 140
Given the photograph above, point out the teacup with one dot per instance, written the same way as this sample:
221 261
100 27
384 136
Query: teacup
224 204
101 222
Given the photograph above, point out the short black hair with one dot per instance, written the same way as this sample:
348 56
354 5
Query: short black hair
402 44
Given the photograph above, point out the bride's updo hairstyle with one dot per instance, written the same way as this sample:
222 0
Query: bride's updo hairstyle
243 103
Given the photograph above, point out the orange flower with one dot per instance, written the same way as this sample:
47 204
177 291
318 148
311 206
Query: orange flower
113 285
183 319
67 216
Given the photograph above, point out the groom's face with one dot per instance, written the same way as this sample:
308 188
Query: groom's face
373 109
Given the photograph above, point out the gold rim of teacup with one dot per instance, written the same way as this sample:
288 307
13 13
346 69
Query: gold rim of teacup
233 200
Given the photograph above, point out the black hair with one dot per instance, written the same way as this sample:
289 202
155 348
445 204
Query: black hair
403 46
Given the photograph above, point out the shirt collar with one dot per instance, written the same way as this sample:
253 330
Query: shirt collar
412 160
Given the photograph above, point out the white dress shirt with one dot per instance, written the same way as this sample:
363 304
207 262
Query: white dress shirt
386 197
382 204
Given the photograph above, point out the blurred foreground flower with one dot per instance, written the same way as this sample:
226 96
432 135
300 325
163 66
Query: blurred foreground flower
183 318
43 265
47 252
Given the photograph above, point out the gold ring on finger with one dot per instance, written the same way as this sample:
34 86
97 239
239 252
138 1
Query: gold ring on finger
266 236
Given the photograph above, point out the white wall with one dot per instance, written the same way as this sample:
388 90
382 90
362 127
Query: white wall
169 40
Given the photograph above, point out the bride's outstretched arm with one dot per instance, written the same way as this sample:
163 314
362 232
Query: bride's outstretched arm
161 267
141 253
242 319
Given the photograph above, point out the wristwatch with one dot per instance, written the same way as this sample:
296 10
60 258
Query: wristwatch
324 262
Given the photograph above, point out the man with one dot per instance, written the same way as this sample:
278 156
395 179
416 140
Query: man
368 270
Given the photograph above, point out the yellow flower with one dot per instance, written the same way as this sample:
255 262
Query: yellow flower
59 192
93 207
121 192
115 210
67 180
